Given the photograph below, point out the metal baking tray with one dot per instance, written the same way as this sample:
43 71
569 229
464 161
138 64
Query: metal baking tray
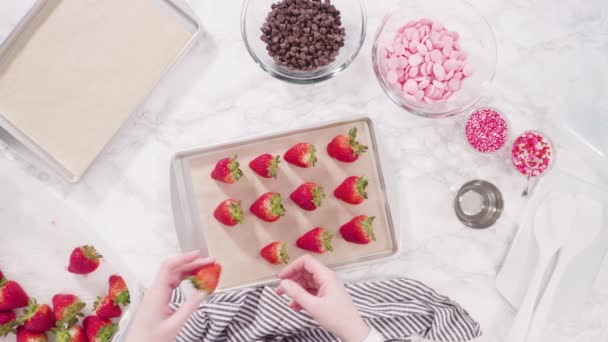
27 29
195 195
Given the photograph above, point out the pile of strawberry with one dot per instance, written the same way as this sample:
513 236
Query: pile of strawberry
22 315
308 196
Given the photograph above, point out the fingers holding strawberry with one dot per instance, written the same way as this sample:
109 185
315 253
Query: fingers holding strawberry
308 196
227 170
352 190
229 213
206 277
84 260
345 147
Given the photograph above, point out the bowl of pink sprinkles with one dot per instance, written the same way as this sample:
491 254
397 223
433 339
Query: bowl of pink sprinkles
486 130
532 153
434 58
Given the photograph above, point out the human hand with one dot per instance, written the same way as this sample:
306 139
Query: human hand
318 290
154 320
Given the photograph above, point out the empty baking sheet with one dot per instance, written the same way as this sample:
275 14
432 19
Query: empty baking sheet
73 71
237 248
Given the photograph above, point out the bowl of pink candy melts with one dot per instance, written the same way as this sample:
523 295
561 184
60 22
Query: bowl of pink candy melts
434 58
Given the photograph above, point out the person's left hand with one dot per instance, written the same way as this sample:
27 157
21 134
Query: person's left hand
154 319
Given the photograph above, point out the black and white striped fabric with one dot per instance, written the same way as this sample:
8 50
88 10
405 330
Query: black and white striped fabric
398 308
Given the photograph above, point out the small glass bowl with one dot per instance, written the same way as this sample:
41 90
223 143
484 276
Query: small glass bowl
507 138
476 39
553 155
354 21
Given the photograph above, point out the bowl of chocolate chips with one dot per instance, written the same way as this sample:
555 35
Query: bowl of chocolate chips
303 41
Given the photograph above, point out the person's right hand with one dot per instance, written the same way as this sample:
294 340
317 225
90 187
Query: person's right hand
318 290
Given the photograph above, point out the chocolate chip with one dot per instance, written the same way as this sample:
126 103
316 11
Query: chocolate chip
303 34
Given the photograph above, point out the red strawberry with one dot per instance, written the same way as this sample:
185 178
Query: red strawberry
105 308
206 278
268 207
12 295
67 309
73 334
316 240
99 329
302 155
345 147
275 253
359 230
308 196
227 170
24 335
8 323
266 165
38 317
84 260
229 212
119 292
352 190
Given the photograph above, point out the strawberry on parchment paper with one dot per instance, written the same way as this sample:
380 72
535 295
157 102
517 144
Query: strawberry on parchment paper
99 329
266 165
268 207
359 230
84 260
206 278
24 335
317 240
38 317
302 155
67 309
352 190
227 170
345 147
275 253
119 292
308 196
12 295
229 212
72 334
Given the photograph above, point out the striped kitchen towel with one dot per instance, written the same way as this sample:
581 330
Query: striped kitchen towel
398 308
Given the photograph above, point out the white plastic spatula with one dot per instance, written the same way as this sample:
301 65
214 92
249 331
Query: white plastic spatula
552 225
588 223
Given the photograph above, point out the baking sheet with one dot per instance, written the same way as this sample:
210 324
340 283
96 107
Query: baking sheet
237 248
73 71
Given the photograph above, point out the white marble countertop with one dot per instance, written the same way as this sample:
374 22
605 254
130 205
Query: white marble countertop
552 63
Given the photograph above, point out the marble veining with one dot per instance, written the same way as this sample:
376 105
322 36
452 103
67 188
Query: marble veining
552 64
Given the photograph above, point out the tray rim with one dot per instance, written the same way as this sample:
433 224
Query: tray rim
183 9
181 192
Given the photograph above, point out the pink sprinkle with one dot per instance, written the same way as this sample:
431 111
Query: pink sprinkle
486 130
532 153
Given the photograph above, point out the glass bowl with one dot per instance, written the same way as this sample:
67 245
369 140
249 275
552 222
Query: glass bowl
551 162
354 21
476 39
509 134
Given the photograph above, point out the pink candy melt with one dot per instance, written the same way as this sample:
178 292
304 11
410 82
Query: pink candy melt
426 61
486 130
531 153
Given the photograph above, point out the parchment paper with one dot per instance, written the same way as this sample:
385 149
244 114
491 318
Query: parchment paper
237 248
73 78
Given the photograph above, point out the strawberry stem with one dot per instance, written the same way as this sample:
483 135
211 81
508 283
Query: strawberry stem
368 228
276 205
354 144
361 185
273 168
326 240
234 168
317 196
236 212
90 252
312 156
283 253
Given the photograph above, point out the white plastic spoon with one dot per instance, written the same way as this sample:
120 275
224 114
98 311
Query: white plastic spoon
588 223
552 224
